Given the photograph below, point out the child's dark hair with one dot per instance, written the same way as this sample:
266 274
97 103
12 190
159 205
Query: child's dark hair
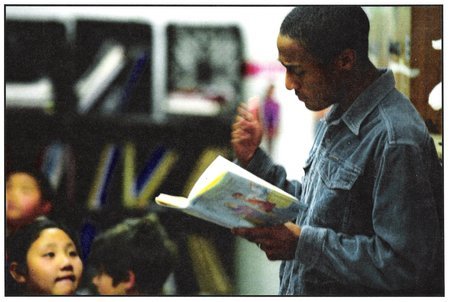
47 191
19 242
137 244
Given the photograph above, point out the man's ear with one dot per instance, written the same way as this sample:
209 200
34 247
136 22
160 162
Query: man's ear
17 272
346 60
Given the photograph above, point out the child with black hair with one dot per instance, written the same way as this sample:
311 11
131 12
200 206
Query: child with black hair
28 195
135 257
43 259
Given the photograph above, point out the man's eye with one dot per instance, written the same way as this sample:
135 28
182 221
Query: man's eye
296 72
299 73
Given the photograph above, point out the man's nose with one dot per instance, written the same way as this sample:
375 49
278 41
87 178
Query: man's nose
290 82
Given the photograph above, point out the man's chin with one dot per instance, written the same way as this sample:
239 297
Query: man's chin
313 107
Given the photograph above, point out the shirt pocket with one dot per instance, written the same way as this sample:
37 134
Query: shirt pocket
334 197
337 174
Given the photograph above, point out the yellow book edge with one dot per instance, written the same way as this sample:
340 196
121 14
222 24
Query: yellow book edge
184 202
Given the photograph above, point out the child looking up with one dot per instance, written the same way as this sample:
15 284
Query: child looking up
43 259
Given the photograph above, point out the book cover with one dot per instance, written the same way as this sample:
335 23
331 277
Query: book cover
122 91
53 163
230 196
37 94
111 59
138 190
207 156
108 161
208 268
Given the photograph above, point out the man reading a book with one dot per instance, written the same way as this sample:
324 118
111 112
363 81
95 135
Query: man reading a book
373 223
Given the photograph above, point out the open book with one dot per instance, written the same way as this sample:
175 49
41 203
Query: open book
230 196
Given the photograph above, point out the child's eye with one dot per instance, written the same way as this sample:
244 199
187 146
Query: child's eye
49 255
73 253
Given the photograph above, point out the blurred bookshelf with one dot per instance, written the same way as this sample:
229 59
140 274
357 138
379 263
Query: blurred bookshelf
81 108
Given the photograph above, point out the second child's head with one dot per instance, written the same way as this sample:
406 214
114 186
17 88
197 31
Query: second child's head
43 259
28 195
135 257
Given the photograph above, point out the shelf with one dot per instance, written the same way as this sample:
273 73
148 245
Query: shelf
36 125
134 137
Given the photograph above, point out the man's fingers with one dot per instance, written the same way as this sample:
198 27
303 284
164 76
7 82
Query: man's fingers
246 114
254 233
239 135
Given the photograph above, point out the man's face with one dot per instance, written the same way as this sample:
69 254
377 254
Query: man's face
313 84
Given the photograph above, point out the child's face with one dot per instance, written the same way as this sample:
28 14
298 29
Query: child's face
104 284
23 199
54 266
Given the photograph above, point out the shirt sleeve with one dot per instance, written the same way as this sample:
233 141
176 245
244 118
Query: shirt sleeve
402 253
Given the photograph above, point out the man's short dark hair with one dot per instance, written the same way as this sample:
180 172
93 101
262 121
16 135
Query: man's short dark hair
140 245
325 31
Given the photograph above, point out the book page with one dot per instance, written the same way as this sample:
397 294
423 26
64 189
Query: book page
237 202
230 196
171 201
221 165
209 176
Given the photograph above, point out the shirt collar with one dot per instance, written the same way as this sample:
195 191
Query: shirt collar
365 102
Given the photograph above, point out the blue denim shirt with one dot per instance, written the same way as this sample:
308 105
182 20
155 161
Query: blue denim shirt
372 191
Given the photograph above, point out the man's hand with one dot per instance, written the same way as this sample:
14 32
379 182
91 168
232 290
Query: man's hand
278 242
246 135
